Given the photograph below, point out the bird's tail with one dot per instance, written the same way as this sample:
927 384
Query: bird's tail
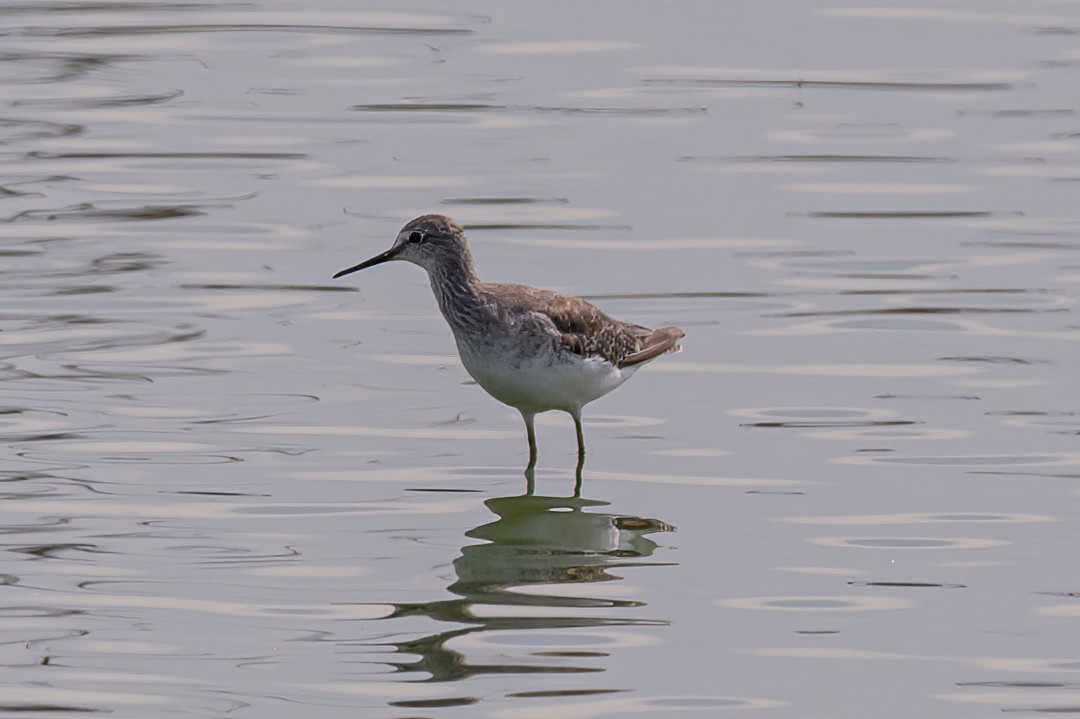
661 341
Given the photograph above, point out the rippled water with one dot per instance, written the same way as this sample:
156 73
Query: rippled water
234 487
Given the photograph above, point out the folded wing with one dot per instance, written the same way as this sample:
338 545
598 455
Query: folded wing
583 329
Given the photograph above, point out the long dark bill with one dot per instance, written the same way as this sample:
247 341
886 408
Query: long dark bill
376 260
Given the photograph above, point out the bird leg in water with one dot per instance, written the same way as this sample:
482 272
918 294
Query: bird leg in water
580 452
580 434
530 469
577 474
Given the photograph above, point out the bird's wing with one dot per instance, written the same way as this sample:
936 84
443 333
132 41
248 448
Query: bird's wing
579 326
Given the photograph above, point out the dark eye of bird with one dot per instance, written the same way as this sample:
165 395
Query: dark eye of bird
416 238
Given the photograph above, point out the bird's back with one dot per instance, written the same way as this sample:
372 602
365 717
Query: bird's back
581 327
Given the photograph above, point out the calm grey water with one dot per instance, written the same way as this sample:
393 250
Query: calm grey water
232 487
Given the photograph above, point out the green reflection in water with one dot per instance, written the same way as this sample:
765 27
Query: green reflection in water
534 541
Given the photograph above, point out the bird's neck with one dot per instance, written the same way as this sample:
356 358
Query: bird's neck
456 289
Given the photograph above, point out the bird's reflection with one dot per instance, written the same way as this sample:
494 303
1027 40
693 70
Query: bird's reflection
534 541
530 474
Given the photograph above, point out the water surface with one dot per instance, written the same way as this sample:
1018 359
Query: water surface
236 487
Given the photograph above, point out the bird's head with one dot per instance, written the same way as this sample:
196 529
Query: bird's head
429 241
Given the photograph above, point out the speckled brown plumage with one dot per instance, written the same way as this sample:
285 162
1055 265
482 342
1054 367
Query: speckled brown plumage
583 328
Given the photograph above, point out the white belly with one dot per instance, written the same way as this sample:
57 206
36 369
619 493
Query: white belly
563 382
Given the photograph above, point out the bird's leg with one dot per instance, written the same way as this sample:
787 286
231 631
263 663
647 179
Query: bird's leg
580 452
530 479
530 429
578 474
530 469
580 434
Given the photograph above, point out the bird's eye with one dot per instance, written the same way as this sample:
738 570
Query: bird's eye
416 238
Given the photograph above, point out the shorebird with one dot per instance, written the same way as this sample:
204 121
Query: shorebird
532 349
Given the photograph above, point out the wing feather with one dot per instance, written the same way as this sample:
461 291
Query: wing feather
582 328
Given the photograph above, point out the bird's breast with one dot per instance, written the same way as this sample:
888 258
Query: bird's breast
539 382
